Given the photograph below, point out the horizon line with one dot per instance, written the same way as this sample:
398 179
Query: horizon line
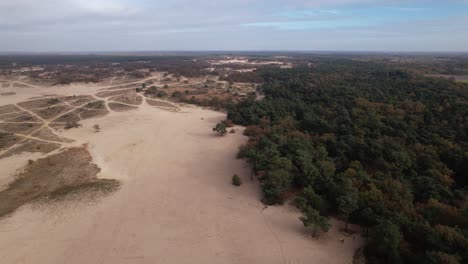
130 52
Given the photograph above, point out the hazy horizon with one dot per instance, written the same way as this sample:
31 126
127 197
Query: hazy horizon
244 25
227 52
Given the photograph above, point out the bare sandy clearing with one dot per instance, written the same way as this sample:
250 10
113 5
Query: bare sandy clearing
78 100
176 203
163 105
114 93
458 78
118 107
128 98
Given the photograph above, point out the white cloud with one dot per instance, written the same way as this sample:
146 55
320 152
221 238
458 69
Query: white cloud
202 24
107 7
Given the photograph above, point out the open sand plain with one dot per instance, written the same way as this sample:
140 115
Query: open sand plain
175 203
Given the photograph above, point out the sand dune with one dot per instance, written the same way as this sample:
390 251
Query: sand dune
176 203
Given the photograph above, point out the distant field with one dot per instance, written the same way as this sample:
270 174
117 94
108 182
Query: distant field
458 78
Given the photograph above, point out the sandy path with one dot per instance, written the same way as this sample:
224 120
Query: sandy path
176 204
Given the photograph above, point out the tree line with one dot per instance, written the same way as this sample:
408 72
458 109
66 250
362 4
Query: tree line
370 144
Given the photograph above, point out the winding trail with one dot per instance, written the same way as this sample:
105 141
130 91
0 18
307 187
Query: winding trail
45 123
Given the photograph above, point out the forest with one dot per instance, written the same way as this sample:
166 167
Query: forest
370 144
66 69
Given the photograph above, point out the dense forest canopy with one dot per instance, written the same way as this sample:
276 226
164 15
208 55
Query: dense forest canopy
371 144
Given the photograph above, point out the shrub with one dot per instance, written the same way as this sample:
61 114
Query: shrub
53 101
153 90
236 180
177 94
71 124
220 128
161 94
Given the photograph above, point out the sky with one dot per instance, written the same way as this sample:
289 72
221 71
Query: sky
209 25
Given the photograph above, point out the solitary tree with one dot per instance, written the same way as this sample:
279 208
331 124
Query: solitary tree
97 128
220 128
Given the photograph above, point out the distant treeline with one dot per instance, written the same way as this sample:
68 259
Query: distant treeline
373 145
65 69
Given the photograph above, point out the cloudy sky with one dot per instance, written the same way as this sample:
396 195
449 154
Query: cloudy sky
150 25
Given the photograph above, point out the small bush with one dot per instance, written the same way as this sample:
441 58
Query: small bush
220 128
236 180
53 101
161 94
176 94
71 124
152 90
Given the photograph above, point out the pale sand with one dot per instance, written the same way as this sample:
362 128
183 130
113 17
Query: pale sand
12 165
176 203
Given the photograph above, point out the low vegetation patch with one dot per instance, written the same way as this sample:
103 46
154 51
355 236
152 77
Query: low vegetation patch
7 140
236 180
30 145
151 91
72 124
70 171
